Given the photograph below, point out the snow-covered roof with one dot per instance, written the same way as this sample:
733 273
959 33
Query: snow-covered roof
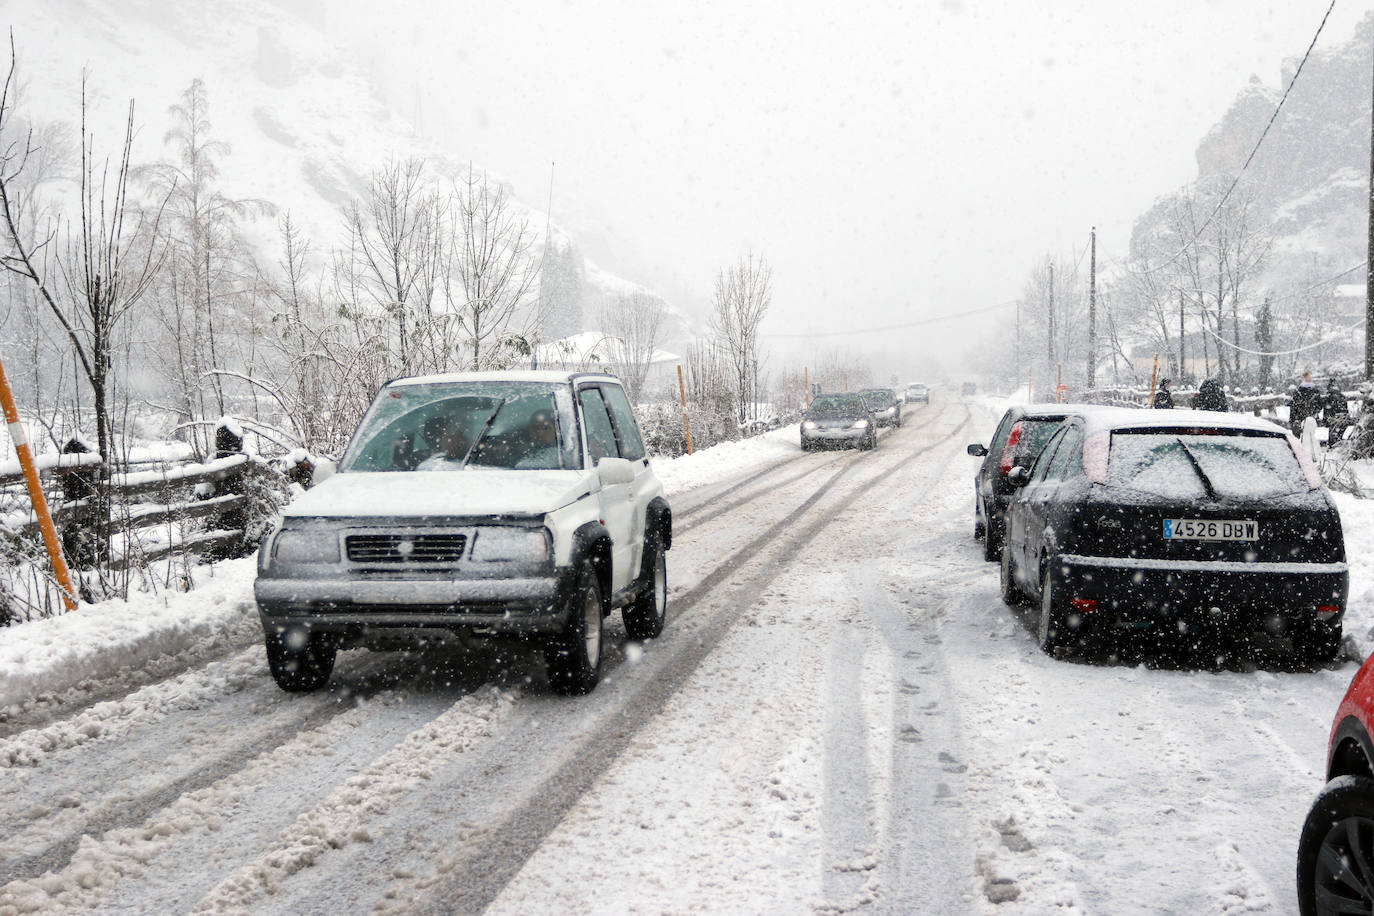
547 376
1102 419
594 346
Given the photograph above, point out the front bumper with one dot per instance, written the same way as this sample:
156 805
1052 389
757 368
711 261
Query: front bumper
359 609
843 434
1137 593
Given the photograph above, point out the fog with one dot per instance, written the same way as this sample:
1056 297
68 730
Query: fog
895 162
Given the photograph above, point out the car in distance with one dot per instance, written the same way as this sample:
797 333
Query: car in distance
968 389
886 406
1020 434
838 419
1193 526
1336 846
918 392
473 505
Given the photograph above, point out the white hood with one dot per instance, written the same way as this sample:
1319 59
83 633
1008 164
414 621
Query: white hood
442 493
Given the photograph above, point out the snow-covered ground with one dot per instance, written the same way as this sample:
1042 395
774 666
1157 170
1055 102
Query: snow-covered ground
841 716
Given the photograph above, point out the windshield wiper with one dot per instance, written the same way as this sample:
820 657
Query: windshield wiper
482 432
1197 466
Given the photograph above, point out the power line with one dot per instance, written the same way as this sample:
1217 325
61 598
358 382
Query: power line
897 327
1273 117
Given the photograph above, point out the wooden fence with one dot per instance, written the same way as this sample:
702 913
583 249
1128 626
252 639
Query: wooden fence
148 506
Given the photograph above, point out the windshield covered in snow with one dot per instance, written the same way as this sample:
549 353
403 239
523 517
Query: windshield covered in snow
1185 464
459 425
878 398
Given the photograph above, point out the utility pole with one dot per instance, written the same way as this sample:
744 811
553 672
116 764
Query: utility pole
1049 338
1181 370
1017 348
1092 312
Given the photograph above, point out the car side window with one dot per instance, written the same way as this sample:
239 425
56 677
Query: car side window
1042 464
1061 466
626 429
600 434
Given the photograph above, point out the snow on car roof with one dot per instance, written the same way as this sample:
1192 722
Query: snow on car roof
1099 419
553 376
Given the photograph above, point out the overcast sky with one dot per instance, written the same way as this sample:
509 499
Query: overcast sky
893 161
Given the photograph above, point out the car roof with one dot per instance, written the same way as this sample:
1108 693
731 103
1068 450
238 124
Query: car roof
1051 411
1106 419
545 376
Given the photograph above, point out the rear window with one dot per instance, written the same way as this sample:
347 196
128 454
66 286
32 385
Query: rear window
1173 464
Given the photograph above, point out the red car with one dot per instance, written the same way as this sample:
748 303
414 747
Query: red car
1336 851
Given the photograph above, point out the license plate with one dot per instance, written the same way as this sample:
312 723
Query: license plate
1196 529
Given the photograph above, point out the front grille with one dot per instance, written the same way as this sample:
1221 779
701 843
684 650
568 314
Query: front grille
405 548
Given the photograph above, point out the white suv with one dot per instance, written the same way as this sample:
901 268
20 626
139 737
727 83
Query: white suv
474 504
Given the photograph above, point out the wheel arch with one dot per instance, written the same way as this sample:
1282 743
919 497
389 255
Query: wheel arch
593 542
1351 751
659 517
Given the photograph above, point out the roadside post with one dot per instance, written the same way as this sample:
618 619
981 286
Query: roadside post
682 392
1030 385
40 502
1154 373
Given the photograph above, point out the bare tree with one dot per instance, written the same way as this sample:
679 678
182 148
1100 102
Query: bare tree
106 264
489 274
394 256
635 321
742 296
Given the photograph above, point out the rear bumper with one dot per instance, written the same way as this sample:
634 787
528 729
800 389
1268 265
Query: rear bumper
1141 592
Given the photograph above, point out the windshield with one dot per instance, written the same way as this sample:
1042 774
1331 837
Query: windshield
838 403
465 425
1203 466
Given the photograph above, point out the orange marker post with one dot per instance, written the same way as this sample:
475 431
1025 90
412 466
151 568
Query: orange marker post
682 391
40 503
1154 373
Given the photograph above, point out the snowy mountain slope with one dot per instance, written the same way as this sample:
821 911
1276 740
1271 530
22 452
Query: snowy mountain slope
304 121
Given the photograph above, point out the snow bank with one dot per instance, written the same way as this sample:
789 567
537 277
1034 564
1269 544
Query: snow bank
98 645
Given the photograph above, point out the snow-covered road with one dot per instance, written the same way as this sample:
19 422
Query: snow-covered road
840 716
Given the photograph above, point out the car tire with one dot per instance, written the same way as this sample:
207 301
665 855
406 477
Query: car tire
1317 644
573 657
979 526
1336 848
1012 595
1052 628
300 661
644 617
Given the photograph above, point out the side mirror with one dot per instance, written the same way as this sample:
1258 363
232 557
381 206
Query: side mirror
324 469
613 471
1018 476
978 450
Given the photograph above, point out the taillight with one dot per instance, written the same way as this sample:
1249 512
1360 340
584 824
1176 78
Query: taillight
1086 605
1009 450
1327 610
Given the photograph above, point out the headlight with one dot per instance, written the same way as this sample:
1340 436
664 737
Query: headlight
891 411
809 424
860 424
297 546
498 544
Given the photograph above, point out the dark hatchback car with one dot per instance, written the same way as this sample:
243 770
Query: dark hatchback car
1021 433
886 406
838 419
1196 527
1336 849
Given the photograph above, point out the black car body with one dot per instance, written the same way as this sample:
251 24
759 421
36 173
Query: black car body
886 406
1021 433
838 419
1190 524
